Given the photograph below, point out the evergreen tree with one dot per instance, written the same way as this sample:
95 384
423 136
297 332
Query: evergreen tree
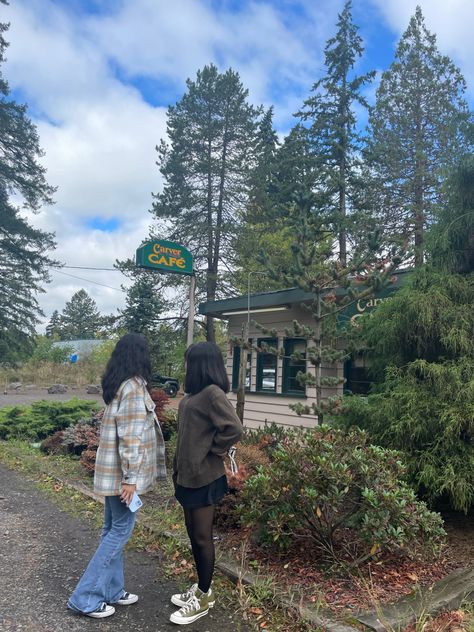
80 318
334 140
206 170
53 328
24 261
451 240
334 287
416 132
143 307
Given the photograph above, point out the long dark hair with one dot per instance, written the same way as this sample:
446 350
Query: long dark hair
130 358
204 366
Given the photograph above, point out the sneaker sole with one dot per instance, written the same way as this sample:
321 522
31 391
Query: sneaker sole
178 602
99 615
125 602
181 621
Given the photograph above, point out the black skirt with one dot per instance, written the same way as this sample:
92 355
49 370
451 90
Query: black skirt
194 497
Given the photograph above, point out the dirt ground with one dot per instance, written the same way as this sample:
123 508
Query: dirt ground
26 395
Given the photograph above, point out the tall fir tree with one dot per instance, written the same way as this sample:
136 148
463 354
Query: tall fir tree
416 132
206 170
332 134
24 259
53 328
143 307
451 240
80 318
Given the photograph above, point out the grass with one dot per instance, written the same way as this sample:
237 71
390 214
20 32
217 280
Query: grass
258 605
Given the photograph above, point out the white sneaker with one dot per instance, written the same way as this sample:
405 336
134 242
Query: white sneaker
126 599
197 607
181 599
104 611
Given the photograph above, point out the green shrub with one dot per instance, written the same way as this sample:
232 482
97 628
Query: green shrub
347 497
169 423
426 411
42 418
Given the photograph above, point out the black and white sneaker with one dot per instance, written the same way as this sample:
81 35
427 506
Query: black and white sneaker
126 599
104 611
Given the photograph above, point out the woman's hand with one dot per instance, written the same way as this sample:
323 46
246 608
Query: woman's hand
127 493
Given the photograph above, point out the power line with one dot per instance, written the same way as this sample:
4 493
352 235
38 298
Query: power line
90 281
86 268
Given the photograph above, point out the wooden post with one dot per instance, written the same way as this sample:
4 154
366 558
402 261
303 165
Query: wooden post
242 373
192 292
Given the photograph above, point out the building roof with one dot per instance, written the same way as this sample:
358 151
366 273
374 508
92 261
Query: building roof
80 346
266 300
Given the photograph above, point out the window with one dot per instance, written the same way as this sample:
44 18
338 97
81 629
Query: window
291 367
358 381
267 367
236 367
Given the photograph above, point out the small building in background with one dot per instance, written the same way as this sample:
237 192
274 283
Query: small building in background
80 349
271 384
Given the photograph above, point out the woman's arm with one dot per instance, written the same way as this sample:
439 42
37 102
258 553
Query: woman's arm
130 419
228 425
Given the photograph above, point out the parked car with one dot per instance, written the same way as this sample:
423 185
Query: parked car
169 384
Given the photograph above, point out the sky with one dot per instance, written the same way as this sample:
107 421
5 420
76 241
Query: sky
98 76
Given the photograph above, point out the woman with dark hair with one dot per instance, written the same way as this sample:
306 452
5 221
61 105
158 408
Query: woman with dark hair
131 456
207 427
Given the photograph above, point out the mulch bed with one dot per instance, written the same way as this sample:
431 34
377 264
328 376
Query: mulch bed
384 580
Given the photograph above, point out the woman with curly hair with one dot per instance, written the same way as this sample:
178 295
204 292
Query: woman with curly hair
130 458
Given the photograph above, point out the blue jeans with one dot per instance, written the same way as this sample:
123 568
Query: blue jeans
103 579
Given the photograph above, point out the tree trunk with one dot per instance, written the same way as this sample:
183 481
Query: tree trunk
242 374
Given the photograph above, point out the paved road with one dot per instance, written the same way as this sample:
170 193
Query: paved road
30 395
43 551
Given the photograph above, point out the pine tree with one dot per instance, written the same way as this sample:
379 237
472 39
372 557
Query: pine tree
206 170
334 140
24 259
451 240
80 318
416 132
53 328
334 287
143 308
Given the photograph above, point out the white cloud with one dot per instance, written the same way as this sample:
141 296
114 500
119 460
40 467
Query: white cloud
99 133
450 21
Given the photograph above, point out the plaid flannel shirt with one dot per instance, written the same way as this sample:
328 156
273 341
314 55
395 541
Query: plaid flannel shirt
131 447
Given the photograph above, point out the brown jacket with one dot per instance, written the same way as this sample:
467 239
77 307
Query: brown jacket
207 427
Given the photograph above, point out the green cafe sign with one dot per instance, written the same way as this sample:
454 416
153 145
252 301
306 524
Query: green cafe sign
165 256
355 310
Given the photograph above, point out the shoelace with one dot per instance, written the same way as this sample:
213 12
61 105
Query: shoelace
192 604
190 593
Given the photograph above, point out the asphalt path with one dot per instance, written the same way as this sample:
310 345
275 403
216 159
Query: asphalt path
44 550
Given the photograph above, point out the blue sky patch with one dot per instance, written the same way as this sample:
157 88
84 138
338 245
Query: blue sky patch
106 225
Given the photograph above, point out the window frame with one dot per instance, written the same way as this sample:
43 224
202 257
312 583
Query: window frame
271 342
289 342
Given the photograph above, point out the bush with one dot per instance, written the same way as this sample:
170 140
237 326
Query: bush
42 418
227 512
161 400
426 411
169 423
267 437
332 488
54 444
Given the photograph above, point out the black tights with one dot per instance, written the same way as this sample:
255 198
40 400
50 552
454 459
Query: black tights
199 523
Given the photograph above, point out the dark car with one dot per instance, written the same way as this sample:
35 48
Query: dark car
169 384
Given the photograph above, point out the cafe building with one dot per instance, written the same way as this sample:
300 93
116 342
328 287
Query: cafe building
271 384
